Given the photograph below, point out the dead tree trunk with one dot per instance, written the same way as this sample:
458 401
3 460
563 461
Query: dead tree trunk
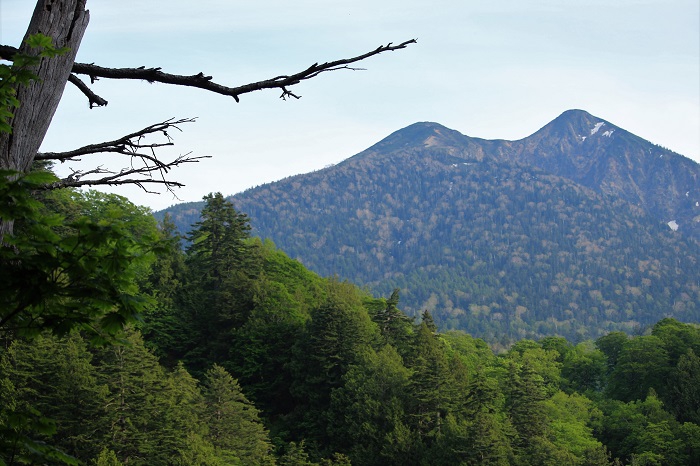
65 21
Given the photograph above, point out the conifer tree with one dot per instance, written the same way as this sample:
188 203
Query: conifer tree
394 325
217 295
488 431
107 458
235 428
295 455
525 394
430 380
334 338
183 438
138 402
55 377
162 328
684 388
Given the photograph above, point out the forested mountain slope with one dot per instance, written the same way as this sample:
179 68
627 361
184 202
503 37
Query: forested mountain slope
602 156
240 355
474 232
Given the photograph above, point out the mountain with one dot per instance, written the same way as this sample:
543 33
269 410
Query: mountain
602 156
563 232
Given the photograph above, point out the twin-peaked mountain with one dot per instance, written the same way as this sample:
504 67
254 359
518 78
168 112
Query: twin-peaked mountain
578 229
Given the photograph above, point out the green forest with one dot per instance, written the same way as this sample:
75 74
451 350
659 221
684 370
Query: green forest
119 347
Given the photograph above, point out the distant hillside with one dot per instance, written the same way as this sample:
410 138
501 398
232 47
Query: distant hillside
494 237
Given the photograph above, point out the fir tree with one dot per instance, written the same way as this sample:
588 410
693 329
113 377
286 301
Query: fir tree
235 428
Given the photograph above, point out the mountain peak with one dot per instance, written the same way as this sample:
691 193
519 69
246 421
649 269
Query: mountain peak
577 125
422 134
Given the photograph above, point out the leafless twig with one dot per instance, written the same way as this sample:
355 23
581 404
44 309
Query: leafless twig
144 162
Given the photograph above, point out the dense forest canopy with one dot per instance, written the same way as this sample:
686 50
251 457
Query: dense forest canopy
243 356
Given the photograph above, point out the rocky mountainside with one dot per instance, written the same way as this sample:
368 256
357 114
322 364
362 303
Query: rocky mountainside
565 231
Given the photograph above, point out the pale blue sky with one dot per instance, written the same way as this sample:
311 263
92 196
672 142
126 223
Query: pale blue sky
487 68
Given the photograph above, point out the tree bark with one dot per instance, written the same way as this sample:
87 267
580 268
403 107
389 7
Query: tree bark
65 21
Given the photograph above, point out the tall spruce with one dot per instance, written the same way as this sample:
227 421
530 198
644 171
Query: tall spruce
217 297
235 428
524 401
162 328
430 380
333 340
395 326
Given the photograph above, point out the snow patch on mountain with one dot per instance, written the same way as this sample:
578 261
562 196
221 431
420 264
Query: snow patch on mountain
597 127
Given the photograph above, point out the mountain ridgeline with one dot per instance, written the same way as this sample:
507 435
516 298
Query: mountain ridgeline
580 229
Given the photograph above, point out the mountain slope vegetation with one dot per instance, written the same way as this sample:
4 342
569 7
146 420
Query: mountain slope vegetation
243 356
502 239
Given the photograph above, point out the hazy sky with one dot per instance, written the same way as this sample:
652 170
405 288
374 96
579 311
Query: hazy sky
487 68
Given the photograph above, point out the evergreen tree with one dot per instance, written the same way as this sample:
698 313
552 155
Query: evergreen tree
55 377
138 400
259 353
525 393
107 458
488 431
50 401
430 381
395 326
235 428
295 455
162 329
334 338
217 295
183 438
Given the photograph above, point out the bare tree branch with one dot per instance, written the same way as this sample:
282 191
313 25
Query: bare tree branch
201 81
146 168
144 173
144 163
127 145
93 99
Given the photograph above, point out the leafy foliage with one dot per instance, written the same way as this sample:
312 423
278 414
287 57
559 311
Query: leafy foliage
59 274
